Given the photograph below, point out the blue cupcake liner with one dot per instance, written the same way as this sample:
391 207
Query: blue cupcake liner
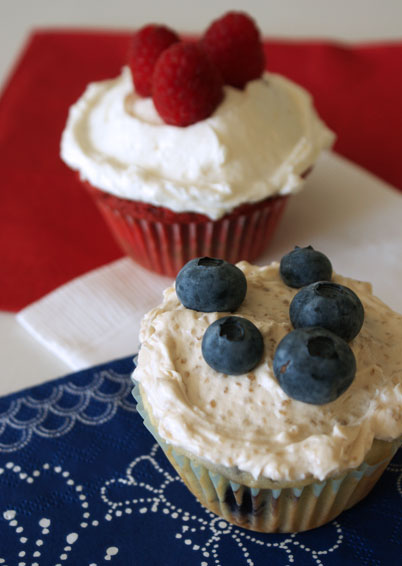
283 508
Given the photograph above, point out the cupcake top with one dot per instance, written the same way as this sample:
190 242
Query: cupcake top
257 143
247 421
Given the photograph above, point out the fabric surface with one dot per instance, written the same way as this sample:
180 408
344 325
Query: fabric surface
51 231
82 482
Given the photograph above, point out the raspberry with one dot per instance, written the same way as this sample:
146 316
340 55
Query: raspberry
187 87
234 44
148 43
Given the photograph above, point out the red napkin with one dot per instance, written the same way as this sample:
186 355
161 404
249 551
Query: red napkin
50 229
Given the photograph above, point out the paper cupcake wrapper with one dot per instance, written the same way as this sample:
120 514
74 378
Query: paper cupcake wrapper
284 509
163 241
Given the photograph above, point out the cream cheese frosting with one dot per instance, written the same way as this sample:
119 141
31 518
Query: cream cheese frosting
247 422
258 143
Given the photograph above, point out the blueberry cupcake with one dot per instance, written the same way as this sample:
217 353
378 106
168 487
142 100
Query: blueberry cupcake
194 149
274 391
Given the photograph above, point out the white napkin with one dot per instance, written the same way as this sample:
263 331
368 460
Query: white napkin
96 317
354 218
344 211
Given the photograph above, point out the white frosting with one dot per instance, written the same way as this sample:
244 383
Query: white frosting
258 143
248 421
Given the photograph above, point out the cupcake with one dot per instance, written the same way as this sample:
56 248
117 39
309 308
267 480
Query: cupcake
283 432
194 149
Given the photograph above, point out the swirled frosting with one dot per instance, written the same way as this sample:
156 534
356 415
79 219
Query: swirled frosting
258 143
248 421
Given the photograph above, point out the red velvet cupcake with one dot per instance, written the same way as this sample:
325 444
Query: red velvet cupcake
205 165
163 241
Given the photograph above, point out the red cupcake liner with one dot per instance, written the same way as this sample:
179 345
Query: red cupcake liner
163 241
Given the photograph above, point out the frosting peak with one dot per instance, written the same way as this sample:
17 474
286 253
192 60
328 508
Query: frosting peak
258 143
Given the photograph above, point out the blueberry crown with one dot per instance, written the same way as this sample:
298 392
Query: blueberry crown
313 363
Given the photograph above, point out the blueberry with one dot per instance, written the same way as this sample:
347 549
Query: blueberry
314 365
232 345
332 306
207 284
303 266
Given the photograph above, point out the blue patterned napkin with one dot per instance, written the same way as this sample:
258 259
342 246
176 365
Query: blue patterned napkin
82 483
